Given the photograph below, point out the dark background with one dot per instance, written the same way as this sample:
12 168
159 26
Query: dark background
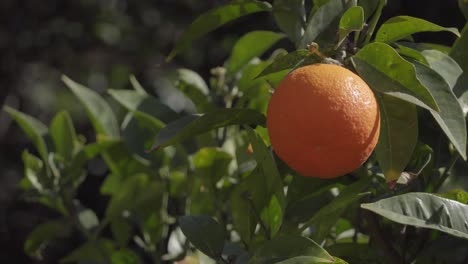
99 43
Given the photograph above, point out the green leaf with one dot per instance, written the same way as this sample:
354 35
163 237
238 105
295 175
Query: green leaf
124 197
273 210
409 52
399 27
398 135
33 128
121 230
444 65
305 259
63 135
459 53
290 17
215 18
285 247
44 233
463 4
456 195
355 253
204 233
137 85
352 20
328 215
98 251
444 249
210 165
35 171
249 46
144 105
193 87
450 118
99 112
192 125
385 71
324 21
369 7
125 256
424 210
289 61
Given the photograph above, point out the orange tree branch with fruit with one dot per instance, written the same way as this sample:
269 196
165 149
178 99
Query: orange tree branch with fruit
343 150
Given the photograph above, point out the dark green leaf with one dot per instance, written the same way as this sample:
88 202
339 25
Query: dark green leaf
273 210
445 249
424 210
192 125
354 252
285 247
249 46
99 112
44 233
385 71
399 27
204 233
326 18
290 18
64 136
450 118
289 61
215 18
121 230
352 20
398 135
98 251
193 87
33 128
463 4
328 215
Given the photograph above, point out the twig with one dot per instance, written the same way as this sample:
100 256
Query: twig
383 243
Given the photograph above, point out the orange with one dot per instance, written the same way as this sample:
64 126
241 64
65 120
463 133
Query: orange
323 120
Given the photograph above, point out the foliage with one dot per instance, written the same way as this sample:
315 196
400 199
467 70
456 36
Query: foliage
209 186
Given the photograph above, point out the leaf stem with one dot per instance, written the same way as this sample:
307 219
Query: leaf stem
383 243
373 22
446 172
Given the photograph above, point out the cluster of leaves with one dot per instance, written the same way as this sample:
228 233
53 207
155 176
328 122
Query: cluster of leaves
219 164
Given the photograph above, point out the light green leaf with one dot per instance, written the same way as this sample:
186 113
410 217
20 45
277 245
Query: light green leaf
249 46
324 22
424 210
137 85
33 128
450 118
63 135
352 20
459 53
398 27
409 52
35 171
215 18
387 72
99 112
275 250
444 65
192 125
398 135
193 87
204 233
210 165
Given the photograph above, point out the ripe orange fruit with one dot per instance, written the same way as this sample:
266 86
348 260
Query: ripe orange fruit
323 121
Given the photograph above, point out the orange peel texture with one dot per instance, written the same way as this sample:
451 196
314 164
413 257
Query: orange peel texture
323 121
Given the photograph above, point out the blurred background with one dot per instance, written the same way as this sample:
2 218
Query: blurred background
99 43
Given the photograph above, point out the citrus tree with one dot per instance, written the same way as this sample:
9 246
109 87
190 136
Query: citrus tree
349 148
